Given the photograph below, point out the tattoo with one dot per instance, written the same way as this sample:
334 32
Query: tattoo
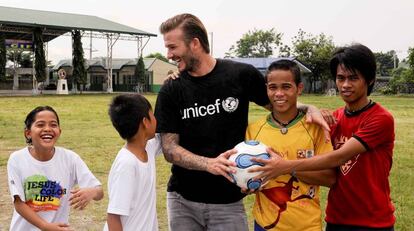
176 154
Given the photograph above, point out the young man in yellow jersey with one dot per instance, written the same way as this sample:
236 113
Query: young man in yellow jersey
289 202
363 137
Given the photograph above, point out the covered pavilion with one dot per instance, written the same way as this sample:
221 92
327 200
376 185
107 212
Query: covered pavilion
18 25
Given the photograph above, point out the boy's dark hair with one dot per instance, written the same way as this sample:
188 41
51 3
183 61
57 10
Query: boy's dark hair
286 65
192 28
30 118
126 112
356 57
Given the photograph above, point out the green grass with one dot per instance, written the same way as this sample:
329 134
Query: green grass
86 129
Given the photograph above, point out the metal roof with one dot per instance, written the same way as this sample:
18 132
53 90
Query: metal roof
117 64
18 24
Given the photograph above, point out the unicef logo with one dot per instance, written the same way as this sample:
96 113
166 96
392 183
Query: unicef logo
230 104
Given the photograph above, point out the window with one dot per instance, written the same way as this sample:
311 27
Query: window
130 80
97 79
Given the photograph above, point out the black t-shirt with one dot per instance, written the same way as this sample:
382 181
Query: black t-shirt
210 114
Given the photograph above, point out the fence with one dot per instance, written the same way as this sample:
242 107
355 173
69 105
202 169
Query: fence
382 83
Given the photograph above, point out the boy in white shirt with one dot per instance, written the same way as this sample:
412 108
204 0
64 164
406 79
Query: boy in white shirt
131 181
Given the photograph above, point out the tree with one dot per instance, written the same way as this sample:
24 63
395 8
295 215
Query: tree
20 58
256 43
26 59
78 62
285 51
40 61
14 55
408 75
402 78
158 56
385 62
402 81
140 73
3 57
315 52
410 58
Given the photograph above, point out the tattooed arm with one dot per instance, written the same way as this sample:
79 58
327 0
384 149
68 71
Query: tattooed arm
176 154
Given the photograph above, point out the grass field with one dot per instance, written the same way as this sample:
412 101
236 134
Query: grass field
86 129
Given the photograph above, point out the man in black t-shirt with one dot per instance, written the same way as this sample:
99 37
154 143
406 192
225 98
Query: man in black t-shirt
200 116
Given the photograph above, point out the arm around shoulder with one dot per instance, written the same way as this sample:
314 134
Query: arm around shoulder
314 115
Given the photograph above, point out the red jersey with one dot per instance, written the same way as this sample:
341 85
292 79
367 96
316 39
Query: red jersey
361 195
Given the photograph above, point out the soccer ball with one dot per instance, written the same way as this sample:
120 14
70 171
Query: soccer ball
245 151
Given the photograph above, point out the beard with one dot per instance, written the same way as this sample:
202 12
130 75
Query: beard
191 63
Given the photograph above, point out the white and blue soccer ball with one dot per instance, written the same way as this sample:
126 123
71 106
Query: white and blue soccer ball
245 151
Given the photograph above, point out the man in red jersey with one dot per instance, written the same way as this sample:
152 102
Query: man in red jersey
363 139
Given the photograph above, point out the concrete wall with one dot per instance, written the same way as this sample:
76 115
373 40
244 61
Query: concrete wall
160 70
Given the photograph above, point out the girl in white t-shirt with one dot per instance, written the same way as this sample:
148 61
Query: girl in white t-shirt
42 177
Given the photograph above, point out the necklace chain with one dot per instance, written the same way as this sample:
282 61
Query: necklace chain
284 129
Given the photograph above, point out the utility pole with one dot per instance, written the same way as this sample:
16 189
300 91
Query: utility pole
395 58
90 46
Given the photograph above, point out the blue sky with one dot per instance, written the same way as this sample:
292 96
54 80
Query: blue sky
381 25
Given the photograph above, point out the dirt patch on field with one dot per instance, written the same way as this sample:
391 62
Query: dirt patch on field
6 206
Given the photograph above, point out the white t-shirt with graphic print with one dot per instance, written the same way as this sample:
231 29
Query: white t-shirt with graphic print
131 189
45 185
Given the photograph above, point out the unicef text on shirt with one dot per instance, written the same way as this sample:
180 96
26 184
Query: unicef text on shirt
230 104
200 111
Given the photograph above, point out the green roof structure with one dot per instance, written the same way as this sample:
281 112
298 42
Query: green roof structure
18 24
